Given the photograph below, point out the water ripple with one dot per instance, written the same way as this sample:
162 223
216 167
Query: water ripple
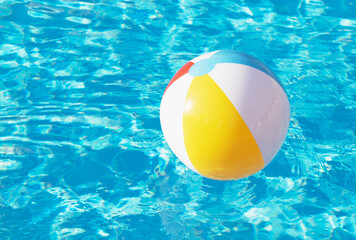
82 155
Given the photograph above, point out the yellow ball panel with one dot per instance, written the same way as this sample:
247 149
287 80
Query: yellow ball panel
218 142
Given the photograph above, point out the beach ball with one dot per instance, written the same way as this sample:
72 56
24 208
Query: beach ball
225 115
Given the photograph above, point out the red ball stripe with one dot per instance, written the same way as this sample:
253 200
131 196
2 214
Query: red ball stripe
180 73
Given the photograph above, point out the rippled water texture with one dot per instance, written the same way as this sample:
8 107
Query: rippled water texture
82 152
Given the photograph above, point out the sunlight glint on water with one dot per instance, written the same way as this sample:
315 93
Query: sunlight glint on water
82 155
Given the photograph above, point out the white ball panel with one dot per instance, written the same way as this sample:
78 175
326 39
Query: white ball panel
171 116
261 102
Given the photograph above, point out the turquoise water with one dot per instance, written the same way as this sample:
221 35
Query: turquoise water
82 155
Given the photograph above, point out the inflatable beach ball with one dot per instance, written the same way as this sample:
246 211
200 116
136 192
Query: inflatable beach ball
225 115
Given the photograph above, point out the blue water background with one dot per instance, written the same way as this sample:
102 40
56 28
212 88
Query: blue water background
82 155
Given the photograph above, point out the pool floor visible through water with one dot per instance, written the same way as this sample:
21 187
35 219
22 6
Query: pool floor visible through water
82 154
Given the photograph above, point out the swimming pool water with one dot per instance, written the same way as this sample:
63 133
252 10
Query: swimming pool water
82 155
